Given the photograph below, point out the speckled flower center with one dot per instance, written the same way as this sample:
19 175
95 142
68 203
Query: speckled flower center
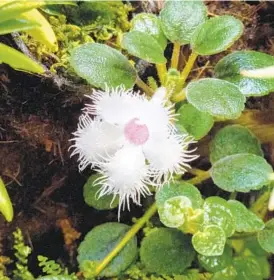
136 132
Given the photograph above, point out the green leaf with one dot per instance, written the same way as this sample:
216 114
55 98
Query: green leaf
101 240
241 173
247 268
245 220
216 97
149 24
209 242
16 25
166 251
12 9
180 19
234 139
230 67
216 263
58 277
91 193
143 46
174 210
179 189
265 266
228 273
196 123
5 204
102 65
216 35
18 60
217 212
266 237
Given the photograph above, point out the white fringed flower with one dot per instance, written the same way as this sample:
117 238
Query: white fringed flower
131 141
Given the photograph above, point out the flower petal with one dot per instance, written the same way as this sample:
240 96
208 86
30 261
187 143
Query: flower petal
126 175
168 156
95 140
116 106
157 115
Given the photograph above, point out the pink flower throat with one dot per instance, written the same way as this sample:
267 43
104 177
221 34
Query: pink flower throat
136 132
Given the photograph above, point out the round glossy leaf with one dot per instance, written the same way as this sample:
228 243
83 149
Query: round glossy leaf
245 220
5 203
266 237
180 19
231 66
101 240
234 139
217 212
247 268
144 46
228 273
241 173
166 251
91 194
179 189
209 242
196 123
174 210
265 266
102 65
149 24
216 263
216 97
216 35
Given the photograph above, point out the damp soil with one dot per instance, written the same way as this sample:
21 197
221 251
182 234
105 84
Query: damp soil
37 117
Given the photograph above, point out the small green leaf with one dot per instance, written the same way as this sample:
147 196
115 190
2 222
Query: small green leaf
217 212
5 204
234 139
12 9
245 220
149 24
196 123
166 251
266 237
216 97
15 25
216 35
91 196
241 173
230 67
228 273
265 266
179 189
174 210
18 60
101 240
216 263
58 277
180 19
247 268
143 46
209 242
102 65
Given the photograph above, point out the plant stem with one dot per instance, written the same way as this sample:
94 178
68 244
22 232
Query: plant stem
189 65
259 207
130 234
179 97
141 84
175 55
161 70
201 176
